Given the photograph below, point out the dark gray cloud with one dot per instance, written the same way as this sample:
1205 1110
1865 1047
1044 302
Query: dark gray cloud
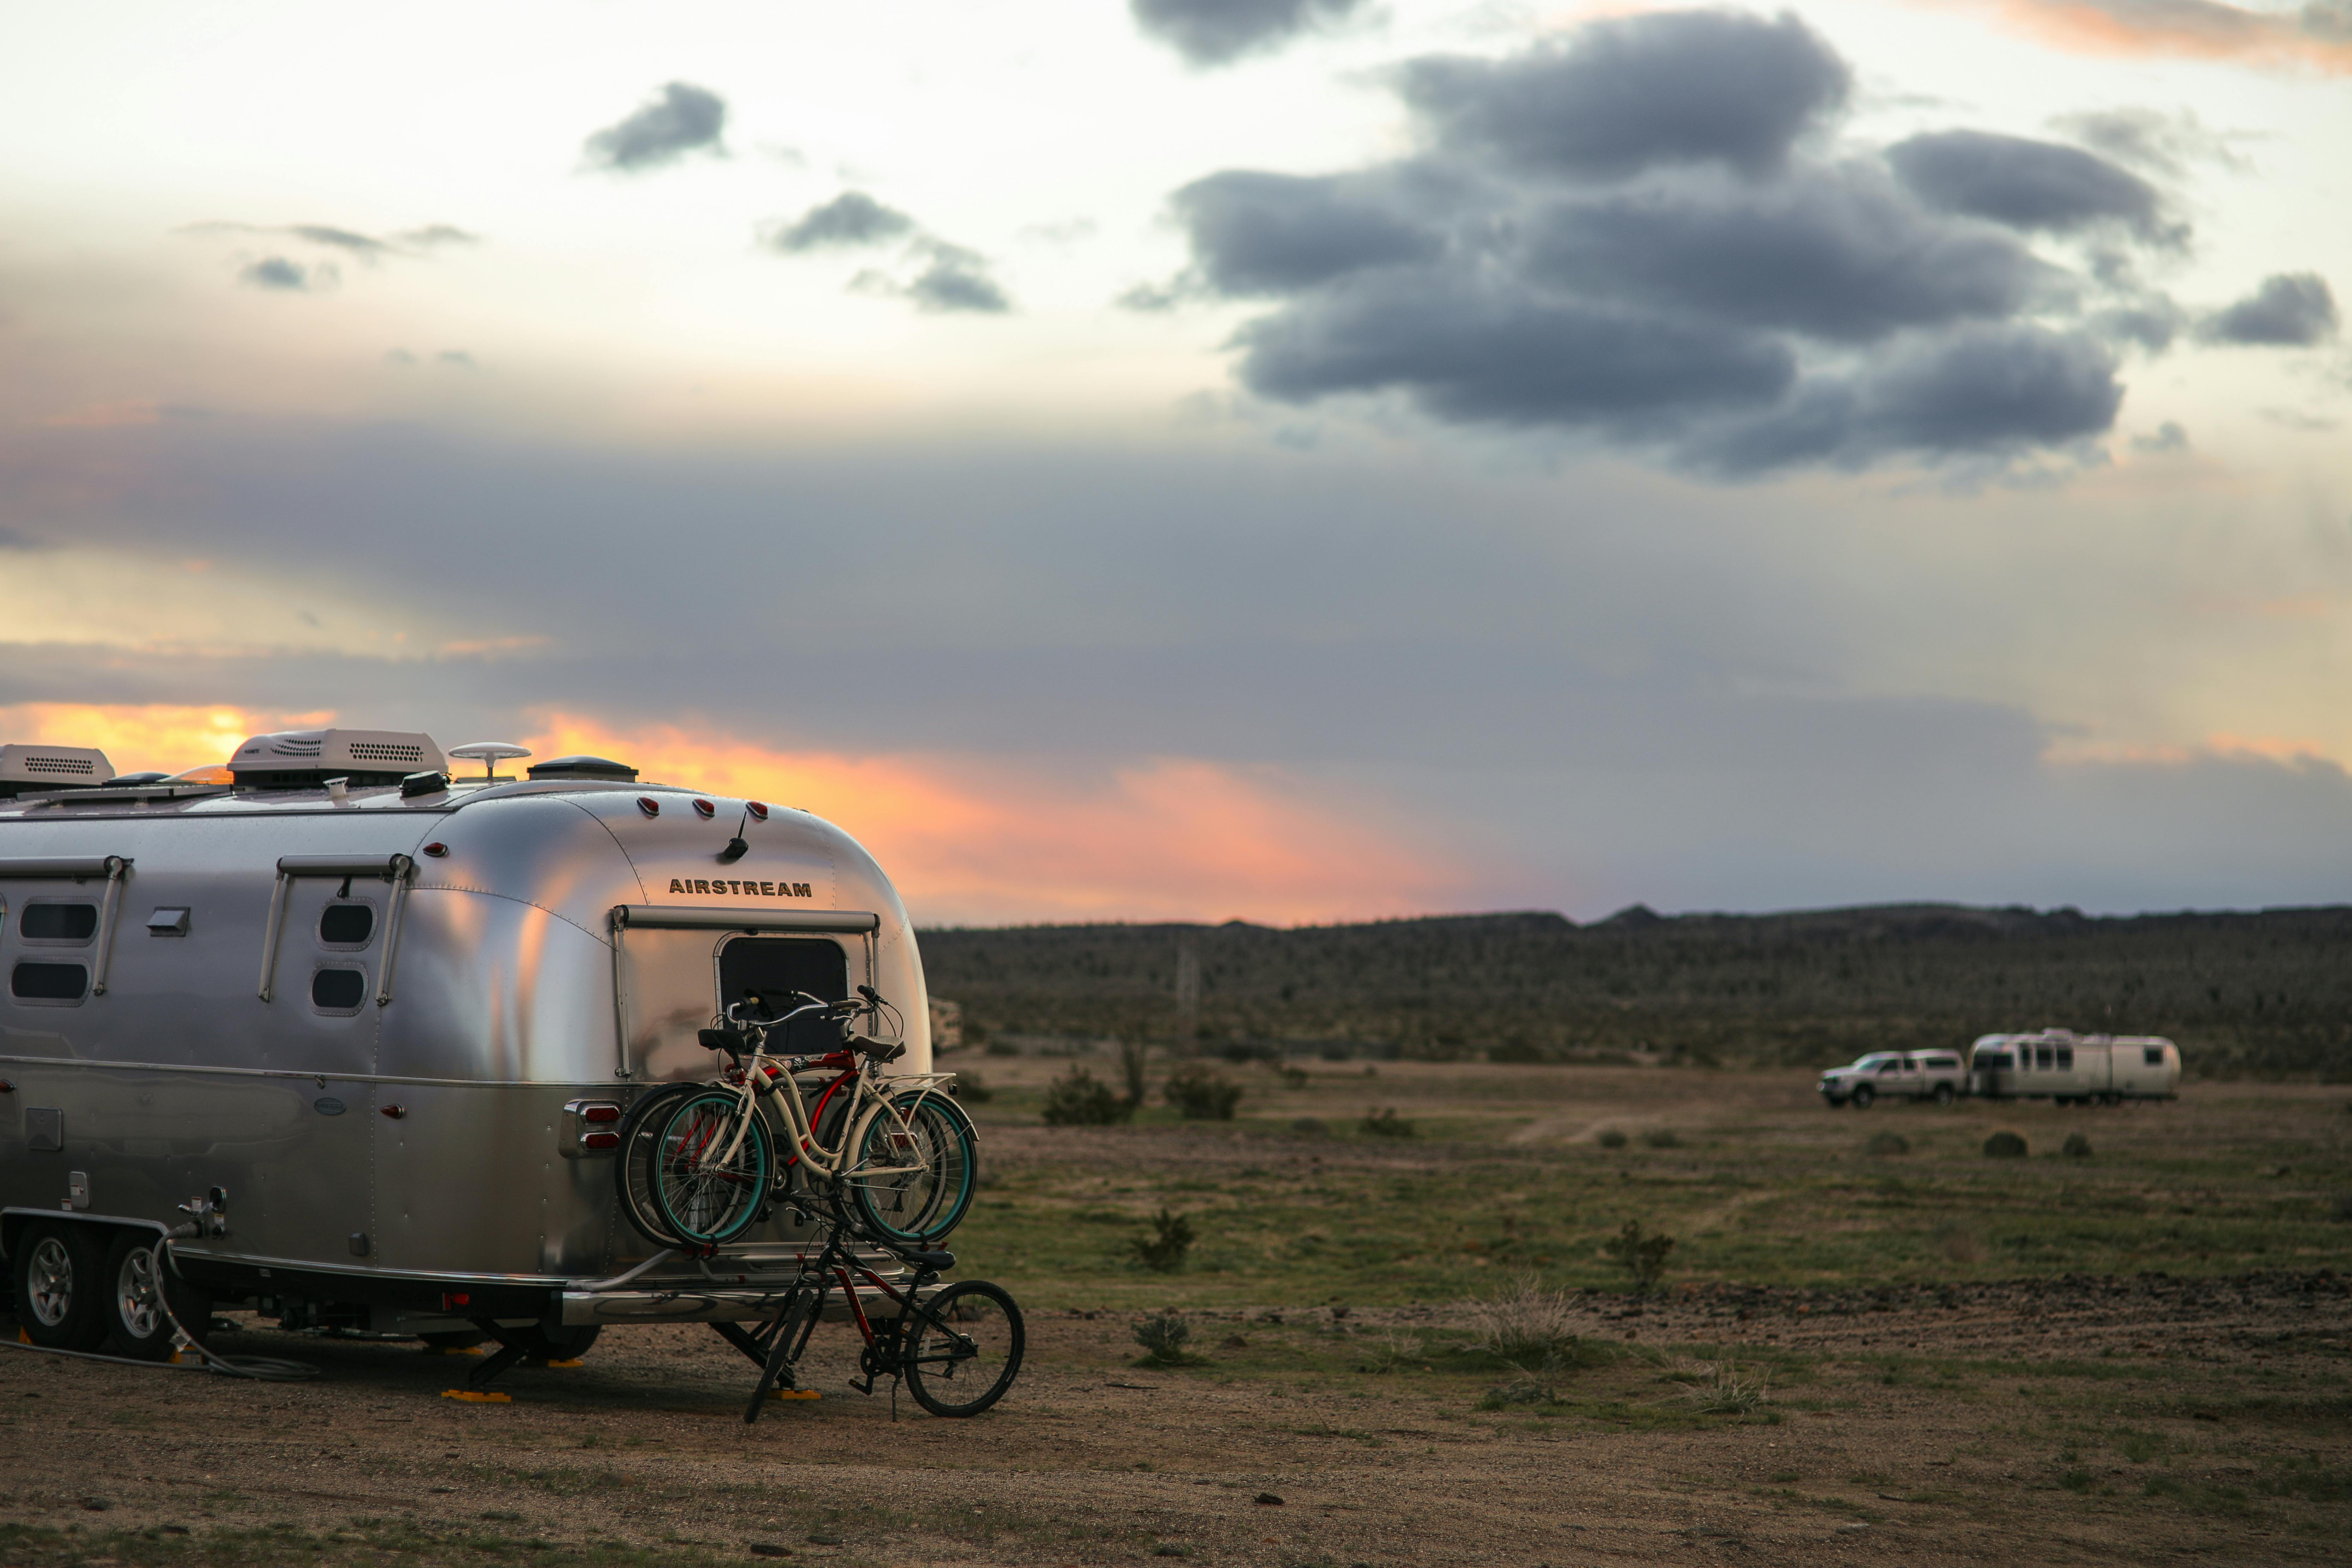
1218 32
2030 185
1502 354
435 234
365 248
2168 437
936 275
683 118
1982 391
1276 233
2291 310
1836 252
852 218
956 280
1633 235
278 273
2149 139
1679 87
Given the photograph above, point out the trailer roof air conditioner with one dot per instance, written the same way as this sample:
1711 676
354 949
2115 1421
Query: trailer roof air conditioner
51 767
305 759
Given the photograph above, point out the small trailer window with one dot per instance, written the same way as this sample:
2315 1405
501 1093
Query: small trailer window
776 967
2065 1058
2152 1055
338 990
2042 1059
57 922
49 982
346 925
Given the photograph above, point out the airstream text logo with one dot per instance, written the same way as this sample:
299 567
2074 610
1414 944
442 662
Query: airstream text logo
742 889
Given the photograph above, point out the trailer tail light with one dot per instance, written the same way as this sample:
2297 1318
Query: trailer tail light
590 1130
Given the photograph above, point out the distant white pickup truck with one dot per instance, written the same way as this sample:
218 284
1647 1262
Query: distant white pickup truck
1907 1075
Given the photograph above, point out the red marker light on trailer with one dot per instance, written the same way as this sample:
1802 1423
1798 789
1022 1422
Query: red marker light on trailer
758 812
395 1111
436 849
649 806
601 1113
600 1140
703 808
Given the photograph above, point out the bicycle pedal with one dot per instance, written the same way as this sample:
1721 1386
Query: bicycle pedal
478 1396
794 1393
451 1350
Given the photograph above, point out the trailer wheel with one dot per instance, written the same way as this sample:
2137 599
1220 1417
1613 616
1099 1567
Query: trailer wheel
1942 1094
60 1303
560 1343
135 1297
1861 1096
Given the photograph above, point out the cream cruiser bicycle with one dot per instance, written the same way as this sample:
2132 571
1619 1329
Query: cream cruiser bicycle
701 1163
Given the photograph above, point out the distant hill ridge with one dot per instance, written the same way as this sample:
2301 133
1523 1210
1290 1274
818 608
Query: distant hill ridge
2266 991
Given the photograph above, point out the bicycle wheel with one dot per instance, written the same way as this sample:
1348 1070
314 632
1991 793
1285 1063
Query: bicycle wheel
631 1171
700 1193
965 1348
913 1184
793 1326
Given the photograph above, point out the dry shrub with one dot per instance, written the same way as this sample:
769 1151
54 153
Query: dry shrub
2076 1147
1526 1324
1641 1256
1612 1139
1392 1351
1732 1391
1955 1242
2004 1146
1887 1144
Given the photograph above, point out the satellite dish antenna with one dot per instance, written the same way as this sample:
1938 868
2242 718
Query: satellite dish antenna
490 754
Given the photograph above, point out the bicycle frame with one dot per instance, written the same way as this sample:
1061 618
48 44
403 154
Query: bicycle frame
779 1075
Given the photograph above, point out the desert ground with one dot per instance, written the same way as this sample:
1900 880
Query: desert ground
1924 1355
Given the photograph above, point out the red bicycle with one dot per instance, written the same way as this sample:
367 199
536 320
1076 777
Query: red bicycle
957 1347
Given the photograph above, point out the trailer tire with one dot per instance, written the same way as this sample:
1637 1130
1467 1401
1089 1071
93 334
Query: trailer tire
560 1342
136 1295
1945 1094
61 1302
1861 1096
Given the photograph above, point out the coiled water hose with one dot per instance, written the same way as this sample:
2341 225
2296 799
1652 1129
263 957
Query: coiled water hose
260 1368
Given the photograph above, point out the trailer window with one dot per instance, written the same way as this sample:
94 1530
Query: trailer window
347 925
773 968
1993 1061
2042 1059
338 990
49 982
2065 1058
57 922
2152 1055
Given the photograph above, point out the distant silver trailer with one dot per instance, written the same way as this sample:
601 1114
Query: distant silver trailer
395 1018
2075 1070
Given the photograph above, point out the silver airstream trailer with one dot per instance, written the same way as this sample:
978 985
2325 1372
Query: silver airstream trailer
388 1021
2075 1070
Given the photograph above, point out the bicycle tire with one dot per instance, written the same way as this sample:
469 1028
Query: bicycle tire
630 1166
782 1351
700 1199
922 1206
979 1357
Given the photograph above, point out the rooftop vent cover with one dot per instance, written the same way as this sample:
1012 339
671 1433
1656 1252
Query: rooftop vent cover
584 768
305 759
51 767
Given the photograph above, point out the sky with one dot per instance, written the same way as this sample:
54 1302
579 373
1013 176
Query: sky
1290 460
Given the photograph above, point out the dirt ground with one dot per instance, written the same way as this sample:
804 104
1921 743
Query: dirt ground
2055 1419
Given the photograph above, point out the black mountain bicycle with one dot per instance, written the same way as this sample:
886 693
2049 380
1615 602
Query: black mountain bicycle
957 1346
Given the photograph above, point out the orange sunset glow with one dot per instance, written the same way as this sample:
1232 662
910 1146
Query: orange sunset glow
2193 29
964 839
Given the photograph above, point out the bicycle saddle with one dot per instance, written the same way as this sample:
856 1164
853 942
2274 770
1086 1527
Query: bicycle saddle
722 1040
876 1050
932 1260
